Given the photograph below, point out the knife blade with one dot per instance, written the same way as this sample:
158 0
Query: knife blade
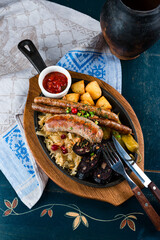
136 169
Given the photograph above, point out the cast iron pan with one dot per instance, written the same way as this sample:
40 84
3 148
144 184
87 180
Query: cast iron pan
34 57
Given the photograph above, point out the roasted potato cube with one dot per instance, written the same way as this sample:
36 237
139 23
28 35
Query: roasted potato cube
102 102
73 97
94 89
87 98
85 102
78 87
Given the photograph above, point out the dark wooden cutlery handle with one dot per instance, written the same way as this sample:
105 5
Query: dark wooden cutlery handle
152 214
155 190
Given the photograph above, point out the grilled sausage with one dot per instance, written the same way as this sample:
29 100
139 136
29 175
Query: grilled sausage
79 106
74 124
104 122
113 125
47 109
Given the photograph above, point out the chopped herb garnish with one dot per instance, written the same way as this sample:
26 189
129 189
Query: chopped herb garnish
79 114
91 114
71 128
68 110
106 116
86 115
118 136
96 122
92 154
82 111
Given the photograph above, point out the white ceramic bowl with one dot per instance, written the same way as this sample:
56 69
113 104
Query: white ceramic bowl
54 69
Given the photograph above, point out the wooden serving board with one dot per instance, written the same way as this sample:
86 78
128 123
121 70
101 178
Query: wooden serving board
115 195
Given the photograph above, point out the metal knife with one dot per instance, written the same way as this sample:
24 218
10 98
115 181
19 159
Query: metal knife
136 169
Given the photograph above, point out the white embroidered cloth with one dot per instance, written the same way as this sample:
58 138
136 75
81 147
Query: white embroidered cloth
62 36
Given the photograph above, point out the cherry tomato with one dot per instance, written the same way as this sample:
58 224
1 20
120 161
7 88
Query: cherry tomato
74 110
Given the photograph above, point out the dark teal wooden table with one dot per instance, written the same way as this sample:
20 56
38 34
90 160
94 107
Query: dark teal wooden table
100 220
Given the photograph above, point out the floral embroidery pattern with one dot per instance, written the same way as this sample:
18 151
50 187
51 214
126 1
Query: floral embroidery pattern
15 141
78 216
89 62
98 71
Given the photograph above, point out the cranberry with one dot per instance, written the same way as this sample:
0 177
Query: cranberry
63 136
64 149
74 110
54 147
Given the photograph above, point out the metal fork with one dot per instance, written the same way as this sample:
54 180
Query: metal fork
116 164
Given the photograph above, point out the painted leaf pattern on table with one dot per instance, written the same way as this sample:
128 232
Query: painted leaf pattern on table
132 216
43 212
50 213
7 212
76 222
71 214
79 216
131 224
14 203
8 204
123 224
84 221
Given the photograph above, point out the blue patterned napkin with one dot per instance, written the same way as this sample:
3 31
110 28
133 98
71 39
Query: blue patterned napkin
17 162
100 64
19 166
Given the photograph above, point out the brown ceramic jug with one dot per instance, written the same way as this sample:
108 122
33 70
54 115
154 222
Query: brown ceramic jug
130 26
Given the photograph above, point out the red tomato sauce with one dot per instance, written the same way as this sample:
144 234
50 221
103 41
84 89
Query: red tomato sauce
55 82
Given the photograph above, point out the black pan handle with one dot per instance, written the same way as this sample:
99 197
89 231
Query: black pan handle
32 54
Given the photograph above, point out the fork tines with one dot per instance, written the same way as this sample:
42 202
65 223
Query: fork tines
110 155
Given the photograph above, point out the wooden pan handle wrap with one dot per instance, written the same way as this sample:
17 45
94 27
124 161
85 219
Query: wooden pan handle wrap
152 214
